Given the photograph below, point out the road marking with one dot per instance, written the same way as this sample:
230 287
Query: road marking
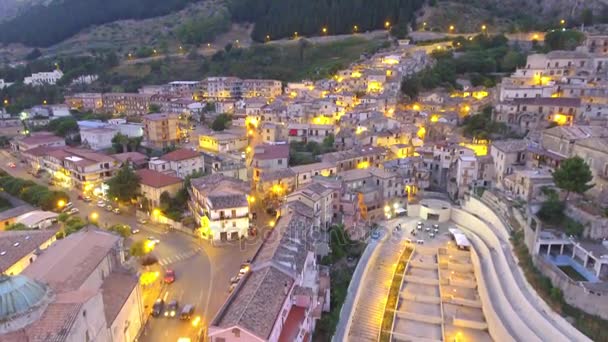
165 296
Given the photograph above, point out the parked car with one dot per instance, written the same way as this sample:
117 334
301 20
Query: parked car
187 312
12 165
73 211
101 203
232 287
116 211
157 308
169 276
134 230
436 226
109 208
142 221
154 240
87 199
235 279
375 235
171 309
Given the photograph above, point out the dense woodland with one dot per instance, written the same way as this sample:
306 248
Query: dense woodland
46 25
282 18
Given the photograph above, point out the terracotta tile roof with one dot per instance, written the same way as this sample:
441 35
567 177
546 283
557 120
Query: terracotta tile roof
116 289
133 156
181 154
55 323
291 326
352 154
41 138
221 191
66 265
28 242
267 152
510 145
157 179
258 302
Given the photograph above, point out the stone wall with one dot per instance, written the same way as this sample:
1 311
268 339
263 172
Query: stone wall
596 227
574 292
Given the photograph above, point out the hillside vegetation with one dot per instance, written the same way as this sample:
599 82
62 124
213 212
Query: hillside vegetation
282 18
47 25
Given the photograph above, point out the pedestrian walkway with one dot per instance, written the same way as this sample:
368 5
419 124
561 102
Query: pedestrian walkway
179 257
366 319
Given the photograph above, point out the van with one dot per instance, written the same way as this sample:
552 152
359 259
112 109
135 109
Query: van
187 311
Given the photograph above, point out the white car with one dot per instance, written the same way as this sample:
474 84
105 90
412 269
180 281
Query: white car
101 203
154 240
73 211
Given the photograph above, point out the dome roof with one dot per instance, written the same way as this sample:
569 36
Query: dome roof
19 294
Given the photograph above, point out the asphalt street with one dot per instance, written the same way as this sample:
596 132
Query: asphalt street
203 271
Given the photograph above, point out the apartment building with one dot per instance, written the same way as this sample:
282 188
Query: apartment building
161 130
320 198
232 140
304 174
283 295
507 154
181 163
85 102
219 88
126 103
269 158
356 158
538 113
154 184
268 89
220 207
309 132
80 283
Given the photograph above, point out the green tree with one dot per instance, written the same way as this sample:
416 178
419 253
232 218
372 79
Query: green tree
139 248
512 60
563 40
221 122
587 17
121 229
573 175
153 108
17 226
120 142
124 185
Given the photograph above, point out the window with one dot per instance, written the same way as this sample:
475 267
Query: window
280 161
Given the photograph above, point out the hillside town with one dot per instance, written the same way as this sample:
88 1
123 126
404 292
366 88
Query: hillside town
220 201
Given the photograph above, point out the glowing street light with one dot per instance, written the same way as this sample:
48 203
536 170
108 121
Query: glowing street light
355 28
94 216
483 27
44 102
452 28
295 35
60 203
562 22
267 37
6 102
324 30
387 24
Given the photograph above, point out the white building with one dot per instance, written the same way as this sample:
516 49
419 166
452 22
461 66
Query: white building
42 78
182 163
98 138
220 207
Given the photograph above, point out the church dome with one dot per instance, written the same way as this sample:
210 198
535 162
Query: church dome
19 295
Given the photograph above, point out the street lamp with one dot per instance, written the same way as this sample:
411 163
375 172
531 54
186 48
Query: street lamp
387 24
355 28
451 28
94 216
324 30
562 22
483 28
60 203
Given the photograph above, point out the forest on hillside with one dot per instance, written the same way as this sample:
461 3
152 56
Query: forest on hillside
47 25
282 18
